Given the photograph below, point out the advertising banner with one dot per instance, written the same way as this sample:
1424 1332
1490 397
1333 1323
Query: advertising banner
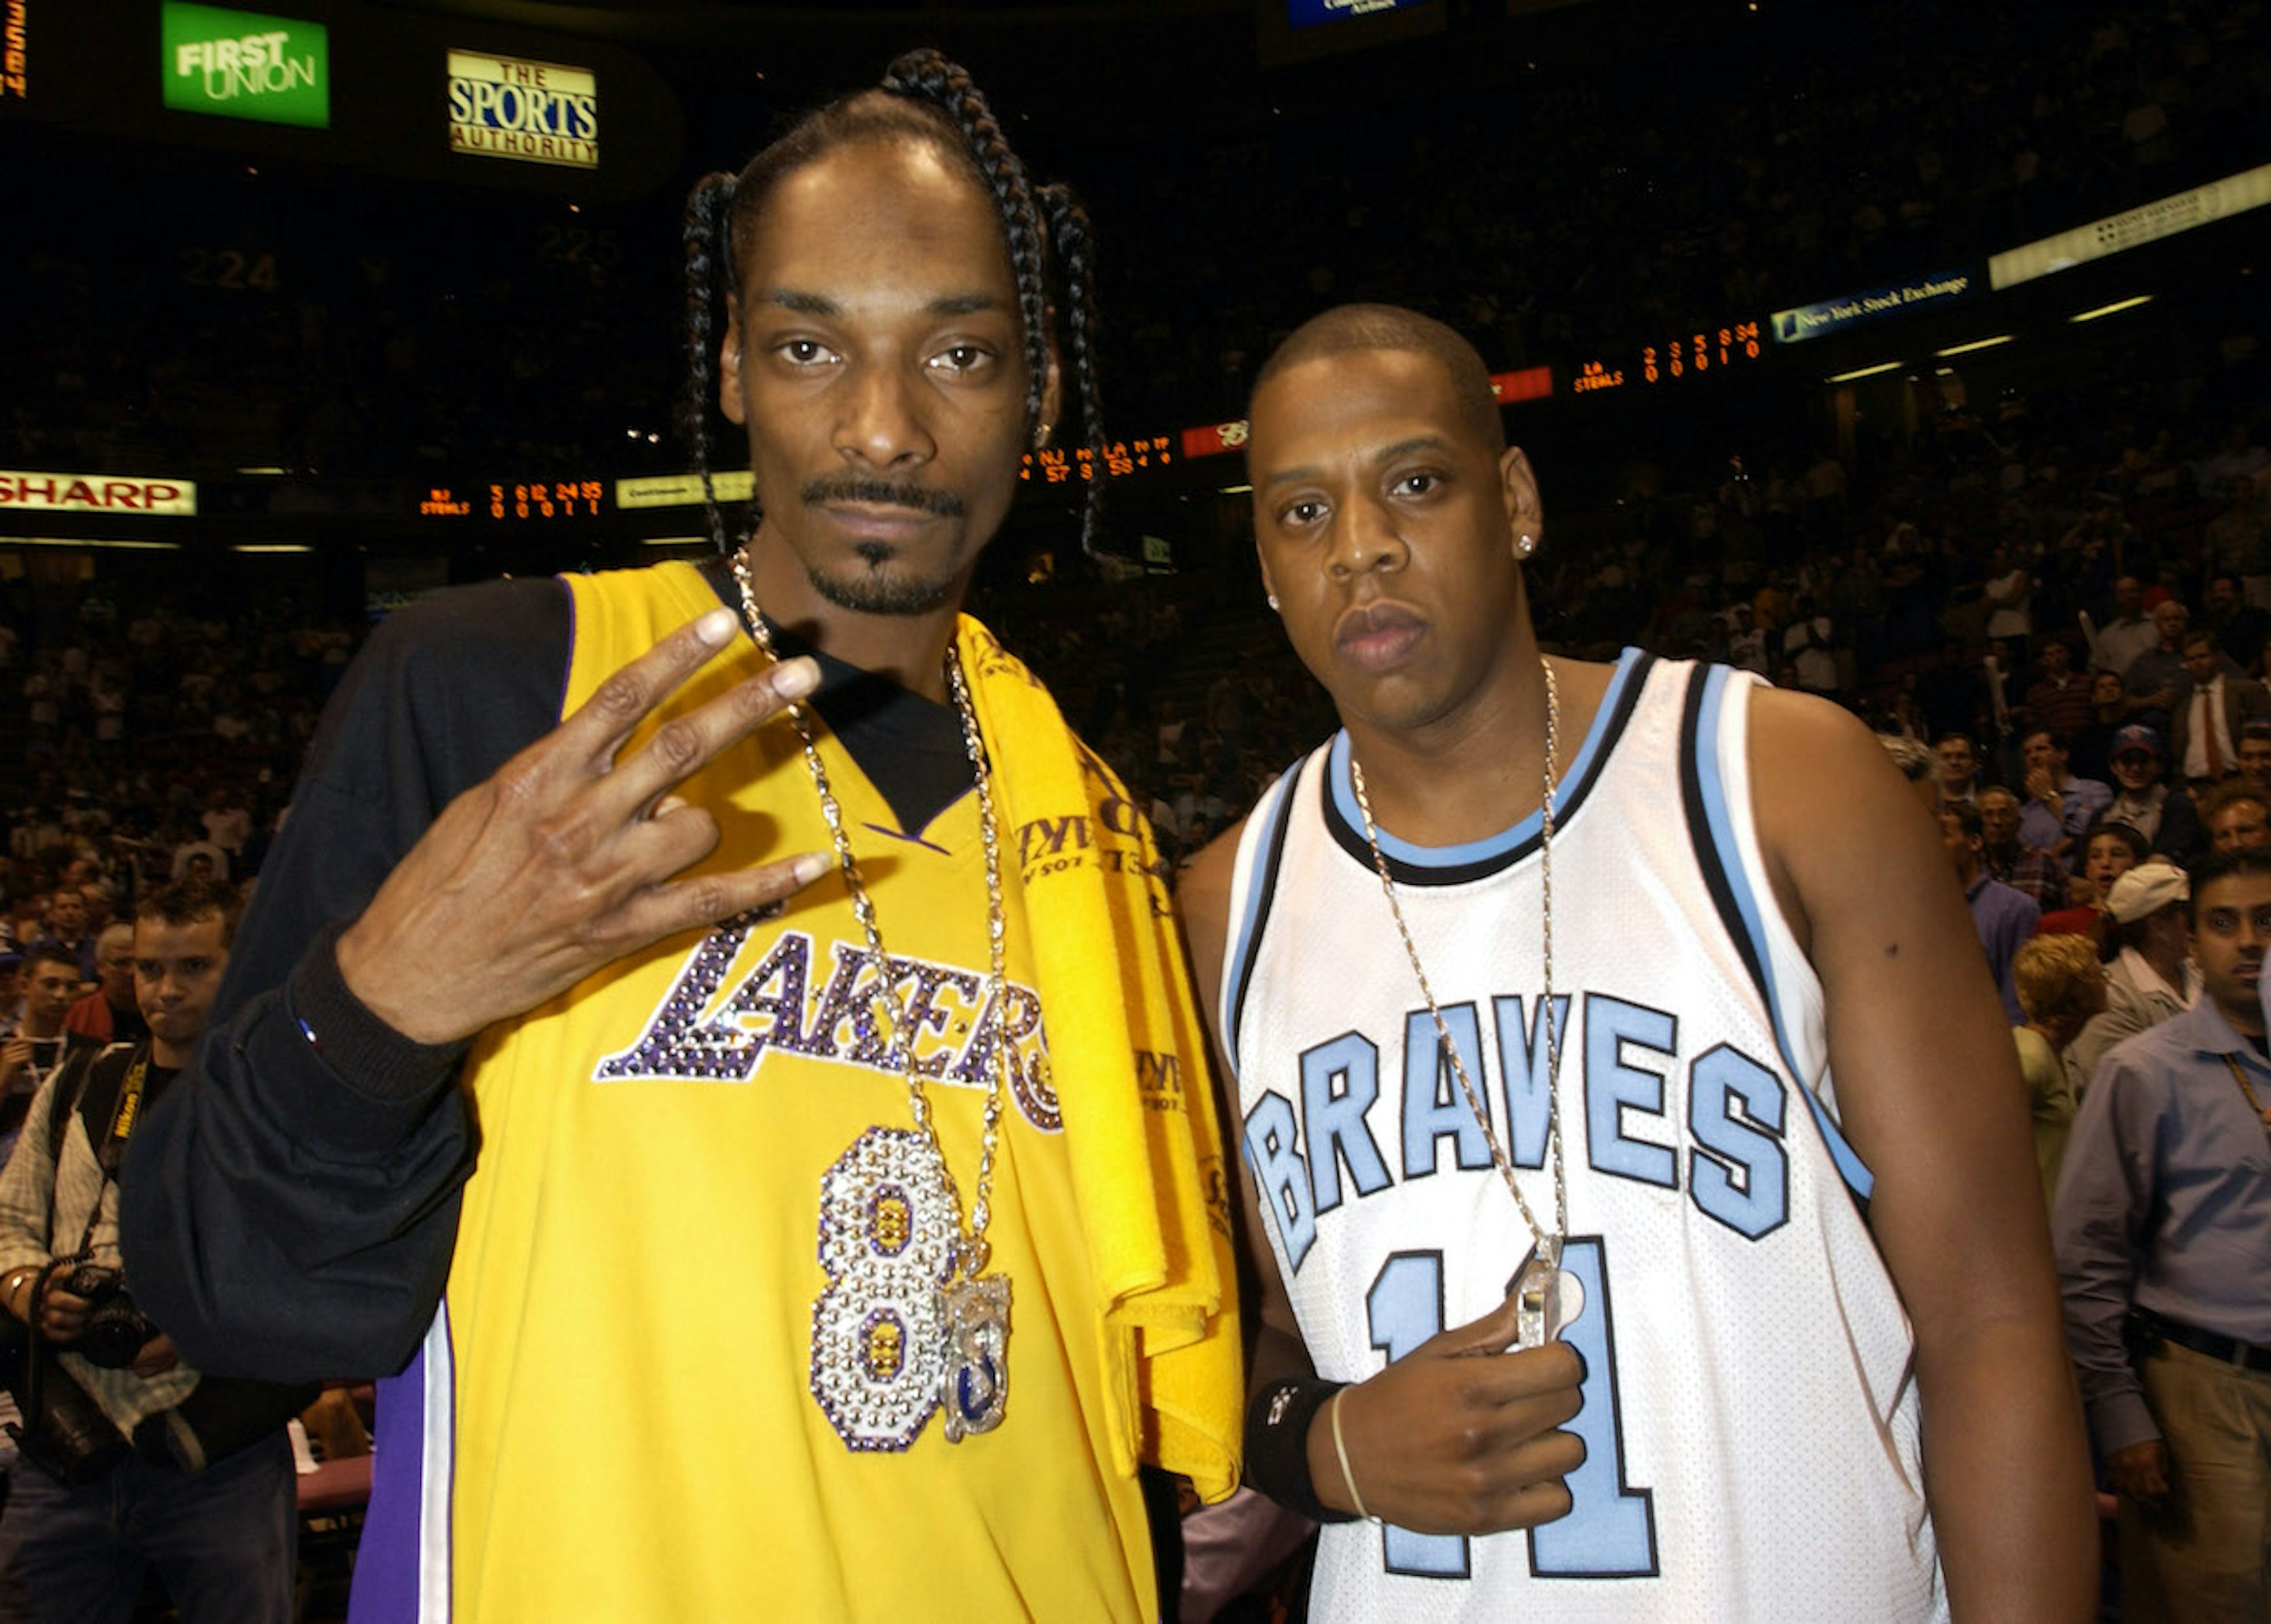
537 112
1828 315
2165 217
244 65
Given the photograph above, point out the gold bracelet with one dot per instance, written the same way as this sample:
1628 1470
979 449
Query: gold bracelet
1348 1478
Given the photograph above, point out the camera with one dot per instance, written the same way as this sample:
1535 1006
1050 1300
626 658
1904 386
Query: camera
115 1329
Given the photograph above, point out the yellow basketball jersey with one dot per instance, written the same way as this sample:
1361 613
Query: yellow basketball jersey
627 1411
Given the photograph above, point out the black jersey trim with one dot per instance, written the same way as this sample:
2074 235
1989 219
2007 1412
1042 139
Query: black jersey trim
1708 857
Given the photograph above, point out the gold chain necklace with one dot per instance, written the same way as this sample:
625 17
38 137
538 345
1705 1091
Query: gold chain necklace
891 1222
1537 1281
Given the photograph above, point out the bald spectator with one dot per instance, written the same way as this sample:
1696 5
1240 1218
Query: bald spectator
111 1013
2128 634
2003 917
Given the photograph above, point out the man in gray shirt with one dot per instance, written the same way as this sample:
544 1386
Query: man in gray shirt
2163 1224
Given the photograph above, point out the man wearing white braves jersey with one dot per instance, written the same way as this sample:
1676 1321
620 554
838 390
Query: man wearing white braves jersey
1391 522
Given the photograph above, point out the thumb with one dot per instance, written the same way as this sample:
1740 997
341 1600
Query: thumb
1492 1332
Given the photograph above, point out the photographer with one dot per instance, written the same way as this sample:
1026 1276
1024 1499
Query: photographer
129 1457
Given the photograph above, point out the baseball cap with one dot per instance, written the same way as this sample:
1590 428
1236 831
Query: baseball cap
2136 736
2146 889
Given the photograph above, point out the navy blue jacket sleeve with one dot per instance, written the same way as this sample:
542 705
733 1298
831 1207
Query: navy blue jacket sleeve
289 1206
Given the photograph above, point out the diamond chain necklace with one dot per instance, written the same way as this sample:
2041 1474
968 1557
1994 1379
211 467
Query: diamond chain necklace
974 1252
1548 1251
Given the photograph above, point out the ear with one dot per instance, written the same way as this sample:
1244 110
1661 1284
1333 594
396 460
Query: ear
729 372
1525 514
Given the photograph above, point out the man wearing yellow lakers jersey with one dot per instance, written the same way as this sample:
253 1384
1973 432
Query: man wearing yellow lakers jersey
777 1161
1642 1182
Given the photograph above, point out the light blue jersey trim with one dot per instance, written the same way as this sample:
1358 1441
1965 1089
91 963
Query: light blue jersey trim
1740 883
1263 822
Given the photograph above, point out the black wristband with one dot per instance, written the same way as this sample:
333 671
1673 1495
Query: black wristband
1277 1445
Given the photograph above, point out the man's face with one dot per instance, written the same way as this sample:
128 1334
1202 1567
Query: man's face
877 363
67 914
2231 925
1956 762
1386 524
2136 770
2106 690
2255 759
2240 825
2169 619
1958 842
2199 664
1999 817
49 991
2222 597
2055 659
2042 754
113 969
2109 858
2128 596
176 972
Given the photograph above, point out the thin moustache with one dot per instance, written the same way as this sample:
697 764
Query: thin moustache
882 493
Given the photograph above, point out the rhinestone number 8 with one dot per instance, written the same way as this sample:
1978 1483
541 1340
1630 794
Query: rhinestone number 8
887 1234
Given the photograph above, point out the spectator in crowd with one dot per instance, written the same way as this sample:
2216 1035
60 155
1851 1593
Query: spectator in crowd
2003 917
39 1044
2059 807
1959 768
2255 754
2061 985
2149 979
2089 752
110 1013
2169 818
1919 764
2060 700
2236 817
2207 726
2110 849
2036 875
2127 633
2156 679
2239 626
2166 1184
67 928
11 990
161 1467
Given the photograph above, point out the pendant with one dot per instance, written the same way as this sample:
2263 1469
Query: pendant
975 1389
1537 1288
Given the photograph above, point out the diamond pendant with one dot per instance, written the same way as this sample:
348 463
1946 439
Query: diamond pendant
975 1389
1537 1287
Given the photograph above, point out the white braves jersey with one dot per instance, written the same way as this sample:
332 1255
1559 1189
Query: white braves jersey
1749 1410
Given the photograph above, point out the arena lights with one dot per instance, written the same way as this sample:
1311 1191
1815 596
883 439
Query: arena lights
1864 372
1976 344
2115 308
105 543
270 547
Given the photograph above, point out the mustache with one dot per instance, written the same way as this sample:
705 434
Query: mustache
882 493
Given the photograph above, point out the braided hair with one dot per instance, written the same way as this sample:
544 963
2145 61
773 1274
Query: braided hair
927 97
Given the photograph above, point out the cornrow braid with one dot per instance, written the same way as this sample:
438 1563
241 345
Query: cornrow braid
1076 252
708 260
926 76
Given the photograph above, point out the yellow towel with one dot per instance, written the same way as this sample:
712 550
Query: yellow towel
1127 1057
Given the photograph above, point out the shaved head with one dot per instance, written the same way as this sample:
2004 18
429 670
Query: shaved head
1351 327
